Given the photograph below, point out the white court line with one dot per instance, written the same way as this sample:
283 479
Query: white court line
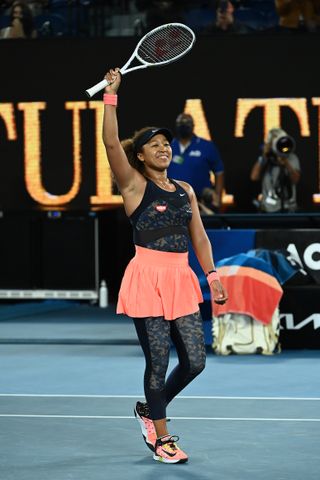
185 397
115 417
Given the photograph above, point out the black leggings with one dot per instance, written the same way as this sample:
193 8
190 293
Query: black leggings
155 335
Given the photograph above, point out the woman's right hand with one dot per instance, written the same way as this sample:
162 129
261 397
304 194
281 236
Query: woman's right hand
114 78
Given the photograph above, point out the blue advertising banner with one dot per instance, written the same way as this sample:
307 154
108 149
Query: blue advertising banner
303 248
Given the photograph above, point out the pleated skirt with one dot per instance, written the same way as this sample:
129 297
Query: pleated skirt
158 284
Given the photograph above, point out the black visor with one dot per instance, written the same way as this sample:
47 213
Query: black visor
148 134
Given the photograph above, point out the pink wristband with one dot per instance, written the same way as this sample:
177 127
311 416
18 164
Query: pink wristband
212 276
109 99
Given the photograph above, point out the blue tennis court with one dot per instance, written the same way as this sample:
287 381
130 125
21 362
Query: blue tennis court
67 392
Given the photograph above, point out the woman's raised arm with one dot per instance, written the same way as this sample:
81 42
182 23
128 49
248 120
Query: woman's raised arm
125 175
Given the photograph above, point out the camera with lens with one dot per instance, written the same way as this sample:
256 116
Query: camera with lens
281 145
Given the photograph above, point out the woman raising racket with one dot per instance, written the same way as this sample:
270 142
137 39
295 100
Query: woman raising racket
159 290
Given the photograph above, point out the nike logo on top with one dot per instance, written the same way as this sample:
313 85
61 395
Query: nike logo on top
181 194
168 453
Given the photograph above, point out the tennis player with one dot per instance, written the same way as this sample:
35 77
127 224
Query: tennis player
159 290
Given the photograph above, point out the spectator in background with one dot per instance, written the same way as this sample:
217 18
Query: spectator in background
278 169
224 20
158 12
38 6
193 160
21 22
298 15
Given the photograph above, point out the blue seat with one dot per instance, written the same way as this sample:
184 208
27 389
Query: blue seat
267 10
51 25
262 5
199 18
250 17
4 21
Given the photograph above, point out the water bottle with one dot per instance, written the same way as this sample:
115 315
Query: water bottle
103 295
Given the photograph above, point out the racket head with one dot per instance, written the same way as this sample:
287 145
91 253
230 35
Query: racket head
165 44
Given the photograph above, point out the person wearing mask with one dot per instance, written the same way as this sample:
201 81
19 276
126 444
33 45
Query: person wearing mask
278 169
159 290
21 22
193 160
158 12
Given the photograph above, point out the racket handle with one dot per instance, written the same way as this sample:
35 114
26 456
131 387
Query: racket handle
96 88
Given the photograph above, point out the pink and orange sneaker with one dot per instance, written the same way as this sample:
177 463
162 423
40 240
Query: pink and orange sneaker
142 414
167 451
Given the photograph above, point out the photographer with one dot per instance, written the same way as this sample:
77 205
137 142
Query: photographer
278 168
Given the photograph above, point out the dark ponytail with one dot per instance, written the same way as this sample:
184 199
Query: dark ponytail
128 146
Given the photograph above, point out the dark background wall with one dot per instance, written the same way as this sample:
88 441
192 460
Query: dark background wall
219 71
43 249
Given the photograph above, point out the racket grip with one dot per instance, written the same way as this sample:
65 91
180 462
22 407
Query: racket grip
96 88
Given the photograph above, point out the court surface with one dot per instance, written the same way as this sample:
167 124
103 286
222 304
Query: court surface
68 385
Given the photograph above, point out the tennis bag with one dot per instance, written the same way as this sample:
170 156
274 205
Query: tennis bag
234 333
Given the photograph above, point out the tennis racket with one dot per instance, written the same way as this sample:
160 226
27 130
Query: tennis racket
162 45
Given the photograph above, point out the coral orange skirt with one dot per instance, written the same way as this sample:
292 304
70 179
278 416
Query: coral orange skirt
159 284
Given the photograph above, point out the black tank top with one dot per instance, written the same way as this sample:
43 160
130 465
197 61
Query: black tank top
161 220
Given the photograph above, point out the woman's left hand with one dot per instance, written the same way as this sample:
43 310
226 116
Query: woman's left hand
219 294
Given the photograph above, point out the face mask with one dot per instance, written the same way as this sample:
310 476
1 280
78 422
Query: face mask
184 130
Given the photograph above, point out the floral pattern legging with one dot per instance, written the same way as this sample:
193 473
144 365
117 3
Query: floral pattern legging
155 335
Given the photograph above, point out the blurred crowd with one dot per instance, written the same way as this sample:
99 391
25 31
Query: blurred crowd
95 18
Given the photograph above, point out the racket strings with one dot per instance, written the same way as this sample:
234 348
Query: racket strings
165 44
